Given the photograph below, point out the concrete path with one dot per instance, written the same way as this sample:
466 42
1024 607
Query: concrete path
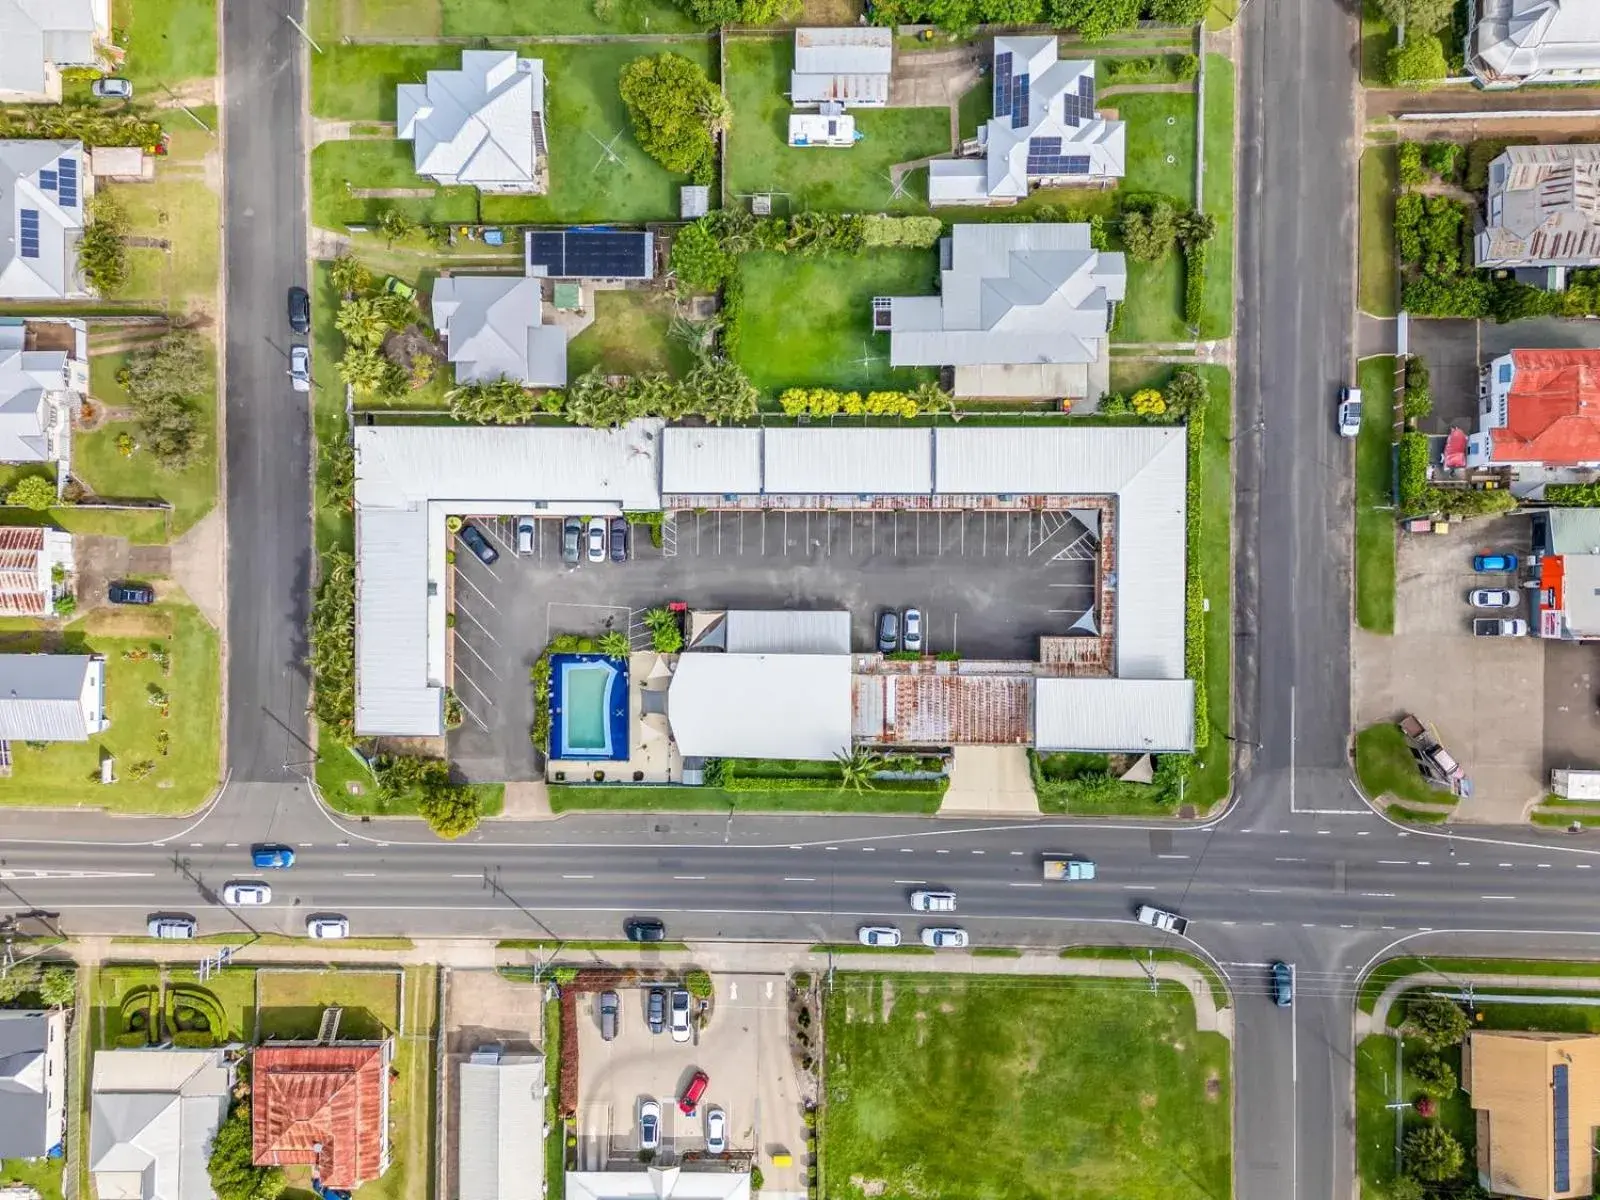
1378 1020
992 781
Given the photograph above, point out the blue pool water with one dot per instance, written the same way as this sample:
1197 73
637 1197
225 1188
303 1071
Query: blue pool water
588 707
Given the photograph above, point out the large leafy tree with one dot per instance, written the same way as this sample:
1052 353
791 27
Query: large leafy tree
1419 62
32 491
1432 1154
676 112
234 1175
741 12
1096 18
1418 16
1436 1021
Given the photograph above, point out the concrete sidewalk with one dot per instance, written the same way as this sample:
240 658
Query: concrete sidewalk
1378 1021
747 958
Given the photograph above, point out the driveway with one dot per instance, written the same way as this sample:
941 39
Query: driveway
1455 349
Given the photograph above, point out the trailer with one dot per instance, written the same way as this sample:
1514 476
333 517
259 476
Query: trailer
1073 870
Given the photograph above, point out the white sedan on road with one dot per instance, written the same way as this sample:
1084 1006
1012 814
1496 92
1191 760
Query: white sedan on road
327 927
246 892
878 935
945 938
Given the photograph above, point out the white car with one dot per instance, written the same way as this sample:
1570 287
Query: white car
1349 412
597 539
680 1015
878 935
945 938
911 630
524 535
327 927
245 893
300 368
716 1131
649 1125
933 901
1493 598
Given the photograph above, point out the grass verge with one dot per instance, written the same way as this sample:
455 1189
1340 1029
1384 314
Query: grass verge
1211 779
1375 528
1378 288
566 797
602 946
1219 990
858 948
1385 767
1217 184
1379 979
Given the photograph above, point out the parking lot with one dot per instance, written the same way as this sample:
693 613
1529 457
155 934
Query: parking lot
988 584
744 1049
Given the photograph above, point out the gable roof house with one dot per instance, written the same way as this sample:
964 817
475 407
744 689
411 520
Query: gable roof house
1539 414
1022 310
43 189
152 1115
848 65
324 1107
481 126
1535 41
1045 131
39 37
33 1082
1536 1098
40 390
1542 213
28 558
52 697
492 327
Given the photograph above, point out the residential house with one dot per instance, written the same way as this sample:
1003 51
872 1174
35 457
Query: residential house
657 1183
1542 213
40 37
491 325
33 1082
1023 310
848 65
28 559
1535 41
52 697
500 1146
152 1114
1536 1100
43 189
322 1106
482 126
1045 131
40 393
1539 416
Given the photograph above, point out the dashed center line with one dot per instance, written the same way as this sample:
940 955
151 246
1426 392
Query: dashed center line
799 879
1378 895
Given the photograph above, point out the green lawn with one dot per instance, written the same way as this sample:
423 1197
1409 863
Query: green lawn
187 214
1210 780
334 526
1385 766
1216 318
1109 1087
629 337
1378 286
502 18
68 773
192 492
1161 125
43 1175
1375 1123
1375 528
291 1002
142 527
1219 990
1378 981
168 41
1377 37
808 321
566 797
1153 311
855 179
977 106
586 115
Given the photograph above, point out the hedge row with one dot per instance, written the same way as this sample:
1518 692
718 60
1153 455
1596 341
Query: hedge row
1194 283
1194 615
1573 495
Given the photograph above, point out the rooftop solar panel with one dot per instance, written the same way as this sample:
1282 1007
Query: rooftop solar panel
67 182
30 232
1562 1130
1002 84
592 254
1058 164
1039 146
1019 103
47 179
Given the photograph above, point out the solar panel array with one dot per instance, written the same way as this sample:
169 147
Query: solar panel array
1558 1088
67 182
47 179
30 233
1078 107
1058 164
591 254
1019 103
1002 84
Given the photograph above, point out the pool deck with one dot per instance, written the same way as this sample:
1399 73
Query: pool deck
651 752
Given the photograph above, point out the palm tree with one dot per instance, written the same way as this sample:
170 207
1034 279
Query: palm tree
856 768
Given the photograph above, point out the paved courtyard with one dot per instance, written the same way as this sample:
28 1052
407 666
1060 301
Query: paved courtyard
988 584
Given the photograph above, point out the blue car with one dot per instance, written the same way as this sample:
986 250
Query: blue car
271 858
1282 985
1494 562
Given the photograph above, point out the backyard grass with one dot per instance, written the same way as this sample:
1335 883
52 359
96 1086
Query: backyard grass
1161 125
976 107
629 337
43 1175
1377 284
168 41
1377 38
412 1113
1385 766
833 345
1110 1087
68 773
501 18
1216 317
291 1002
759 158
192 492
1211 779
1375 527
585 117
142 527
187 215
566 797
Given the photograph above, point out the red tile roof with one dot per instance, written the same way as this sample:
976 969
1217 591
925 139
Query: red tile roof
19 571
321 1106
1553 410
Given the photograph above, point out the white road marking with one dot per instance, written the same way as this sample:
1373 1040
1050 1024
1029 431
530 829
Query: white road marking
466 875
1496 897
688 878
359 874
910 881
1379 895
1266 891
1180 856
1288 860
799 879
1583 866
577 877
1394 862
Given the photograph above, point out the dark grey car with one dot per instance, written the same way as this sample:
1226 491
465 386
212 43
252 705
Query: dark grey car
610 1011
888 632
571 539
656 1010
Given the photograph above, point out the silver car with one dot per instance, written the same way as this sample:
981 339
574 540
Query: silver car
300 368
327 926
878 935
524 535
911 629
680 1015
716 1131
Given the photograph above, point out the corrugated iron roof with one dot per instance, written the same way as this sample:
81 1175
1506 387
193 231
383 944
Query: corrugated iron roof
41 697
1552 410
943 708
1111 715
325 1107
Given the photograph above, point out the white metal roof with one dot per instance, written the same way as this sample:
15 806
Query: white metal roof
844 49
1528 37
848 461
658 1183
501 1147
794 706
474 126
152 1116
50 271
393 691
1113 715
1145 468
787 631
36 32
492 326
712 462
49 697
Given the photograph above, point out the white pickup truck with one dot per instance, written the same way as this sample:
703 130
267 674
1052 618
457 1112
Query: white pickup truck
1160 918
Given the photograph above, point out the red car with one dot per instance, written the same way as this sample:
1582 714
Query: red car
691 1094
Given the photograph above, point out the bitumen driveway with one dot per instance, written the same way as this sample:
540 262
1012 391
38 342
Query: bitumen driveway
267 424
1455 350
988 585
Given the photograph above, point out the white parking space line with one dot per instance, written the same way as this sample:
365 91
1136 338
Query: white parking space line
461 577
468 645
463 611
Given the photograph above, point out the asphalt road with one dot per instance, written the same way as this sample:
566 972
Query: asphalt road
268 424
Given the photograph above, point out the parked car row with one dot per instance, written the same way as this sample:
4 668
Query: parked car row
900 631
1496 599
716 1121
663 1010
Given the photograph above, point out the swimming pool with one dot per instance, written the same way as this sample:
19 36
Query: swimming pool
588 707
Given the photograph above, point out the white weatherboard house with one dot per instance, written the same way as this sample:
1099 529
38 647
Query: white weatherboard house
1022 310
846 65
481 126
492 329
43 187
52 697
39 37
1542 212
152 1114
1535 41
1045 131
40 391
